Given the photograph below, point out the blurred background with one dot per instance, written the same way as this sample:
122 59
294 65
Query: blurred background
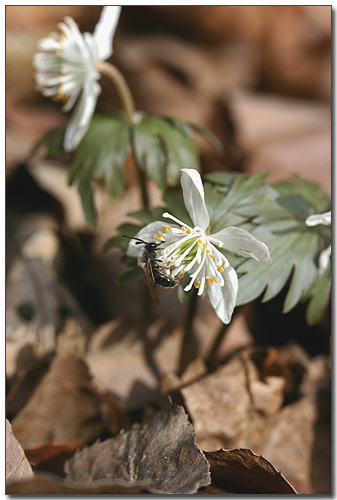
259 77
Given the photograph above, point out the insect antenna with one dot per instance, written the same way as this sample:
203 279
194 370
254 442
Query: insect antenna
134 238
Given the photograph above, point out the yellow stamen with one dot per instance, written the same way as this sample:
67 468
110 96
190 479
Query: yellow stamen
219 269
210 281
157 237
196 284
188 231
163 228
182 228
181 275
207 251
168 228
199 241
223 264
214 278
204 245
212 256
60 96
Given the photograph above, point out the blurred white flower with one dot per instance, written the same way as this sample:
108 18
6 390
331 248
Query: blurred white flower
66 69
315 220
194 250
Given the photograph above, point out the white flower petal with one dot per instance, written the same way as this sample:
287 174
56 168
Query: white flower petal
315 220
49 43
147 234
80 119
324 259
105 30
243 243
223 299
194 198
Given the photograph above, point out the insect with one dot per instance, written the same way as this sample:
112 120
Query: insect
153 268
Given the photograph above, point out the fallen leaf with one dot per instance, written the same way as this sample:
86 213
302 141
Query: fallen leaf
225 67
17 466
47 484
43 453
232 407
293 42
290 362
37 301
64 407
299 443
241 471
284 136
290 443
161 454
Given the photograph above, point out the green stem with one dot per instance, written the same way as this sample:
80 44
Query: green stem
211 358
126 98
142 181
122 88
186 353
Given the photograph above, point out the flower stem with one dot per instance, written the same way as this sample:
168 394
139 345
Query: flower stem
211 357
122 88
125 96
186 353
141 178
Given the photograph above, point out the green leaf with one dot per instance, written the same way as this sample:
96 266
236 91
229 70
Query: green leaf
101 156
53 141
313 196
216 143
275 215
294 248
87 197
173 197
162 147
103 151
235 199
119 240
149 214
319 296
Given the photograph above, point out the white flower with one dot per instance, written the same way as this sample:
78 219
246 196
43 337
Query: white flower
66 69
194 250
315 220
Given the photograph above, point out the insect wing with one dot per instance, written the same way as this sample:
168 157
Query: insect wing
148 271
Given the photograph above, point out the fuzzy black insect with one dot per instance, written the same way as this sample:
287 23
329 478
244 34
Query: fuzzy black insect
153 268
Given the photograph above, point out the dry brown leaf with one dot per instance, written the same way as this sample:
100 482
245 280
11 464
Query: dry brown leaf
45 452
17 466
47 484
131 366
241 471
284 136
292 42
290 443
224 67
64 408
290 362
232 406
161 454
32 305
37 300
264 118
50 457
300 442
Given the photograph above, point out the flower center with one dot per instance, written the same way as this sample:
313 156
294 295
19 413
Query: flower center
185 249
